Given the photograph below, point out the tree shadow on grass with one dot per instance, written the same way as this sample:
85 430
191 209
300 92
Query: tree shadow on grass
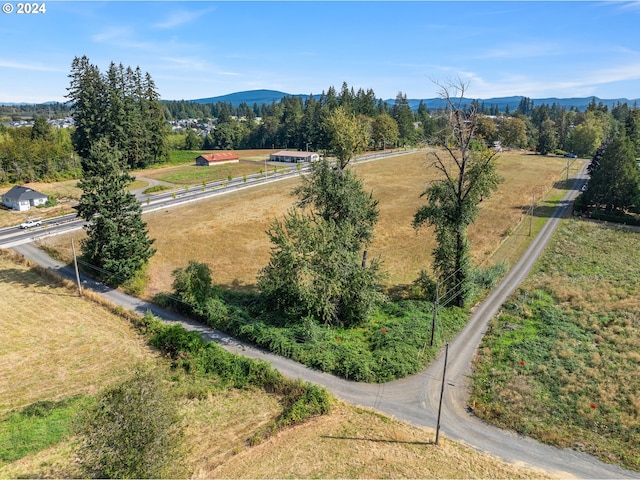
29 278
563 185
376 440
237 285
542 211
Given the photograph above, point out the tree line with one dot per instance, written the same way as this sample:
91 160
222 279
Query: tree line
38 153
296 123
120 106
127 98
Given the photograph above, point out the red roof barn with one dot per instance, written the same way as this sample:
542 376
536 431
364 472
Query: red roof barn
217 159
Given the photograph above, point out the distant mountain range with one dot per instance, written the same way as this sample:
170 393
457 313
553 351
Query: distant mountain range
268 96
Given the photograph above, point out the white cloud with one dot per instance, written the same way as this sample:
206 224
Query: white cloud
29 66
181 18
113 33
522 50
616 74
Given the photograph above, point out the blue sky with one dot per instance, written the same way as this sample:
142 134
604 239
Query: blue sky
203 49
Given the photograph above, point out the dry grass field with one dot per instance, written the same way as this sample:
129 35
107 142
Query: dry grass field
357 443
54 344
228 232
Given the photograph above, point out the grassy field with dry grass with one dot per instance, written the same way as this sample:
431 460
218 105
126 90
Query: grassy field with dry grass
55 344
228 232
561 361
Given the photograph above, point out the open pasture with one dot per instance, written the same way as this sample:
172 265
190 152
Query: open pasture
560 361
53 344
187 173
228 232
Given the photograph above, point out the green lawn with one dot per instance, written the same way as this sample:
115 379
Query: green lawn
561 362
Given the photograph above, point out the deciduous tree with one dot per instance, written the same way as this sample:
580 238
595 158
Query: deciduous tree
315 267
384 131
513 133
469 175
346 135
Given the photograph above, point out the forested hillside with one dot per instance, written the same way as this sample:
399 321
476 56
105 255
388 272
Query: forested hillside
295 122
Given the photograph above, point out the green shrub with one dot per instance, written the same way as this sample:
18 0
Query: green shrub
155 189
174 339
132 431
192 285
615 218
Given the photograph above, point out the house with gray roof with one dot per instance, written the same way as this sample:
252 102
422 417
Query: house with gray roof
23 198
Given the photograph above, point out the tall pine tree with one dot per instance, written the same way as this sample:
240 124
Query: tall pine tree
121 106
117 240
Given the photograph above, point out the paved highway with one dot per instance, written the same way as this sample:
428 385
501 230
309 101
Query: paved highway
13 236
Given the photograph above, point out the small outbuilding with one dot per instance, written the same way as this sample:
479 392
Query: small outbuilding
217 159
23 198
294 157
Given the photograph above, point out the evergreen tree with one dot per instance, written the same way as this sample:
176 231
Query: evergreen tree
632 129
87 94
117 240
525 107
547 140
41 130
615 183
120 106
403 116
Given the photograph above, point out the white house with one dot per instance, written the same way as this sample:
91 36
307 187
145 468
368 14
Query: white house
293 157
23 198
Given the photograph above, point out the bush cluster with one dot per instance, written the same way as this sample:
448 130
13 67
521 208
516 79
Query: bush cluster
394 343
190 352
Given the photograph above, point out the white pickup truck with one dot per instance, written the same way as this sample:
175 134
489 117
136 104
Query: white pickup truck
35 222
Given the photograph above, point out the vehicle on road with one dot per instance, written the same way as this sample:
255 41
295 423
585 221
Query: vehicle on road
571 155
34 222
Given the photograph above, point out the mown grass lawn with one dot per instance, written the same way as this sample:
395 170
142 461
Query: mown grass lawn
562 360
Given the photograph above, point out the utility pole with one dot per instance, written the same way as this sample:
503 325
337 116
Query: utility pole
75 264
444 373
435 314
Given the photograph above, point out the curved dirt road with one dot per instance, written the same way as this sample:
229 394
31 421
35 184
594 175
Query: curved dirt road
415 399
